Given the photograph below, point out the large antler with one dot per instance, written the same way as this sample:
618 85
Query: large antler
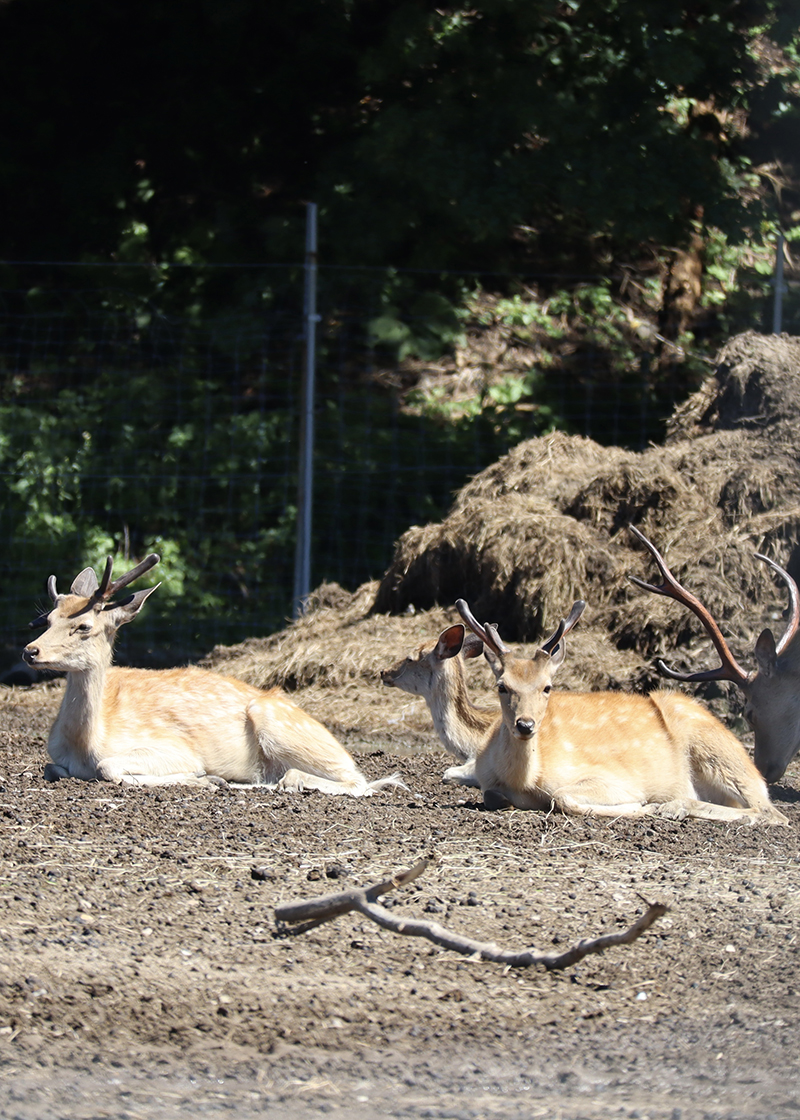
729 669
107 589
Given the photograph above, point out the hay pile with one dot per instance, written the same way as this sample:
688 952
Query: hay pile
547 524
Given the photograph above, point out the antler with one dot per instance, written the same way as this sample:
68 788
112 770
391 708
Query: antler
729 669
492 639
564 626
794 602
487 634
107 589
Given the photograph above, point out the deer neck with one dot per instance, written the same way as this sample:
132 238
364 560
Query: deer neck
79 723
457 721
521 759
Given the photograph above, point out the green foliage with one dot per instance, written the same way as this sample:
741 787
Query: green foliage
415 323
508 134
150 445
175 462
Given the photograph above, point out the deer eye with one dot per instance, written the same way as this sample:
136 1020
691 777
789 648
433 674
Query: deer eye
84 628
501 688
547 689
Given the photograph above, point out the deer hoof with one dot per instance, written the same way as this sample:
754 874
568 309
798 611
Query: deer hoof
493 799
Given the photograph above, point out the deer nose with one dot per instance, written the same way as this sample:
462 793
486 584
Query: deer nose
772 772
30 653
525 728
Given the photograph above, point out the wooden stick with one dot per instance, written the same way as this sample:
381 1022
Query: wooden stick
318 910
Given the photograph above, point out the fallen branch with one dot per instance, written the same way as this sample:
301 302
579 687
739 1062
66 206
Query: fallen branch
318 910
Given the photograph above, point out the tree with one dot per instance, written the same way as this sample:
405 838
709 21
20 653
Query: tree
505 134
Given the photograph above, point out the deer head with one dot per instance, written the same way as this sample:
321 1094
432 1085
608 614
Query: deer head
81 627
418 673
523 684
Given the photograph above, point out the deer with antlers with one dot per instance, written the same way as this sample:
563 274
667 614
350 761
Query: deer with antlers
163 727
607 753
771 691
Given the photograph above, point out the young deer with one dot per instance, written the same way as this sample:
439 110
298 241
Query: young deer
162 727
436 672
608 753
772 691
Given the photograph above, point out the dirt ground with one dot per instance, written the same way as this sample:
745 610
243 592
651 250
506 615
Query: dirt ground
141 975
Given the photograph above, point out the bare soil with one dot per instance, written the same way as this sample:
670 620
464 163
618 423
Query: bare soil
141 975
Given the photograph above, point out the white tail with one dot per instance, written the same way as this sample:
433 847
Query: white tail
436 672
772 692
161 727
607 753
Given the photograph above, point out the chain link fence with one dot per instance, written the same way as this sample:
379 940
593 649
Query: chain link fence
125 428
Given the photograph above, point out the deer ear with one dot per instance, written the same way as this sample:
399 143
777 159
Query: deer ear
85 583
450 642
473 646
128 609
766 653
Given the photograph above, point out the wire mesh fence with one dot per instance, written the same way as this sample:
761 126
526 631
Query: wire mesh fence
127 428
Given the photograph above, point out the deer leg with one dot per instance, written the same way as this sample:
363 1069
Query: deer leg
132 770
297 781
462 775
577 807
297 752
684 808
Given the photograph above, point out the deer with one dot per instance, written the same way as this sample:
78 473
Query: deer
771 691
436 672
153 727
608 754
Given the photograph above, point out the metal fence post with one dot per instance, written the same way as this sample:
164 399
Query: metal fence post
305 479
777 309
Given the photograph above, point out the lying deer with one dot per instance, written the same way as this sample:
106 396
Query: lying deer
436 672
772 691
608 753
163 727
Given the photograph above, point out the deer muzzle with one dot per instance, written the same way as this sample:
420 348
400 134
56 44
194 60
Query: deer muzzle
524 728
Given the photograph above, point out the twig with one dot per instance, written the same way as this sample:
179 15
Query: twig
318 910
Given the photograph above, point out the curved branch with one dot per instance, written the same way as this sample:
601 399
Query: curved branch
318 910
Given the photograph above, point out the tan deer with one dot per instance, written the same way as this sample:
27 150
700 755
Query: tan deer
607 753
772 691
436 672
162 727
